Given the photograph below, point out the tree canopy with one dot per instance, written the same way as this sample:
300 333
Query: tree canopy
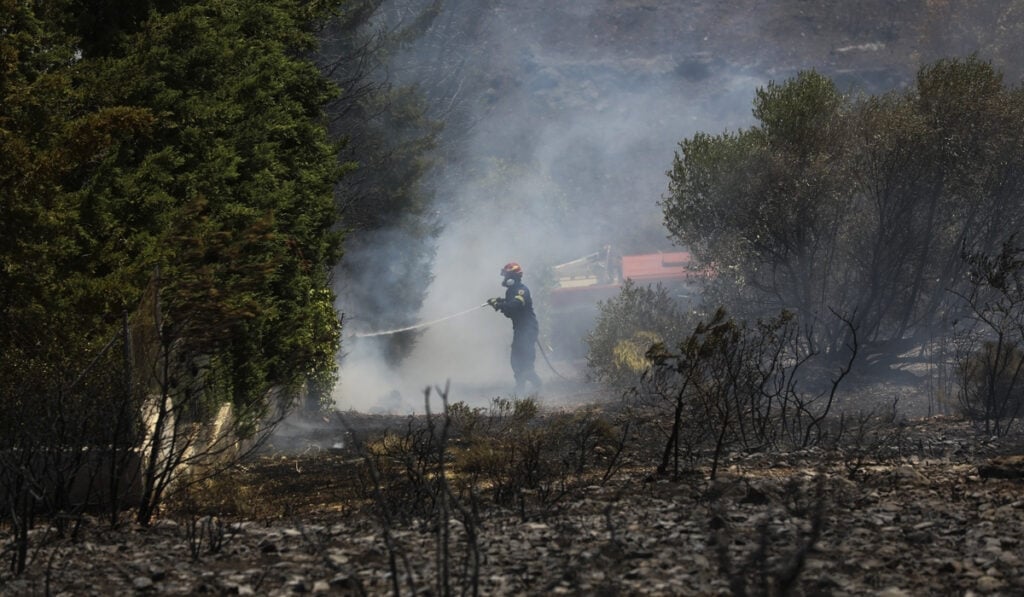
858 205
187 138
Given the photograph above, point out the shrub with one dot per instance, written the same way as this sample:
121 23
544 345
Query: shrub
992 386
733 384
627 326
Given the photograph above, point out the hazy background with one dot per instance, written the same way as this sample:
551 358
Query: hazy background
561 121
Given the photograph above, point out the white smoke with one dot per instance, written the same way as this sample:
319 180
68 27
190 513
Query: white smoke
567 155
563 118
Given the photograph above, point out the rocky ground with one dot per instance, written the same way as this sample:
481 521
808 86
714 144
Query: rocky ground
928 512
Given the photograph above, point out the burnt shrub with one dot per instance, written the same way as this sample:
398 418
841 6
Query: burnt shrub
734 385
992 386
510 453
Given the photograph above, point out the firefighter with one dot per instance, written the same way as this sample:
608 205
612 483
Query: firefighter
518 306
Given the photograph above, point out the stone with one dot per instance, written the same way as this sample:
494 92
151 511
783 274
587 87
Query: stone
989 584
342 581
1004 467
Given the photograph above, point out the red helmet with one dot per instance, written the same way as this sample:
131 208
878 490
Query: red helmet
512 270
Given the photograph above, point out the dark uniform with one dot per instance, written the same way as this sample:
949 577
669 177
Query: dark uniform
518 306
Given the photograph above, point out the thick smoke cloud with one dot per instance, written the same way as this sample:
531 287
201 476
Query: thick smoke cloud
561 121
566 152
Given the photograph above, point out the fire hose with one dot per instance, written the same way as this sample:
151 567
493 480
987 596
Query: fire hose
424 324
420 325
544 354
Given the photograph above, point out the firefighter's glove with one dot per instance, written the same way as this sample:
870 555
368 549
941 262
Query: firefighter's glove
495 302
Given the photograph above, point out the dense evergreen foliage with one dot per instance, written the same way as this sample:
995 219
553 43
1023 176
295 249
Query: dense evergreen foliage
178 178
180 146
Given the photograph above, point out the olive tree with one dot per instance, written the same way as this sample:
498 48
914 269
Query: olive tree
763 206
860 205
